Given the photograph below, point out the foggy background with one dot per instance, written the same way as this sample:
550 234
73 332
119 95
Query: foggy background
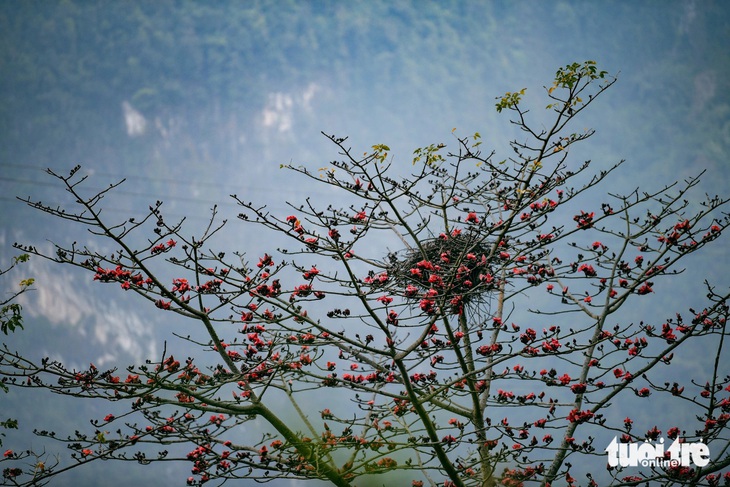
191 102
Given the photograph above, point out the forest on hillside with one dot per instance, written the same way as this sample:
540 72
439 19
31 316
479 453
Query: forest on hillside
197 70
193 101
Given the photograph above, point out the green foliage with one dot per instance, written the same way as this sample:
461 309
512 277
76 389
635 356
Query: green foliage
10 318
10 313
571 74
380 152
8 424
429 154
510 100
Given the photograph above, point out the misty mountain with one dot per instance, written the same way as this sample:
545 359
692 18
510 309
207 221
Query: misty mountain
191 102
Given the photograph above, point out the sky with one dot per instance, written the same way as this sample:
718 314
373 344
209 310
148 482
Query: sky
130 99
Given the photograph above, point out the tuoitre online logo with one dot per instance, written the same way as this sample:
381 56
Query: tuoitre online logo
648 454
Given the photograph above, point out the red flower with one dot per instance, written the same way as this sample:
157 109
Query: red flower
528 336
265 261
644 392
310 273
588 270
472 217
180 286
427 306
485 350
311 242
653 433
578 416
645 288
584 220
392 318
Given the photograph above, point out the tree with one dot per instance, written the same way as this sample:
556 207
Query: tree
460 321
11 319
10 312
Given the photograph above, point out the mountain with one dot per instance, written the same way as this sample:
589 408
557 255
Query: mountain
193 101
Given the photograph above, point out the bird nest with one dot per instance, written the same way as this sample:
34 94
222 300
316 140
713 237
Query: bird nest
454 266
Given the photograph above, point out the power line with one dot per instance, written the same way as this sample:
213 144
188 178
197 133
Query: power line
112 209
122 191
117 177
225 203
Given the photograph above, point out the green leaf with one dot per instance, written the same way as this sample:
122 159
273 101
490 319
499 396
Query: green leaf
510 100
10 318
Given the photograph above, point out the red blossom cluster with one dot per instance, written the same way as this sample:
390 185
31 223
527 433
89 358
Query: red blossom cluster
125 276
163 247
